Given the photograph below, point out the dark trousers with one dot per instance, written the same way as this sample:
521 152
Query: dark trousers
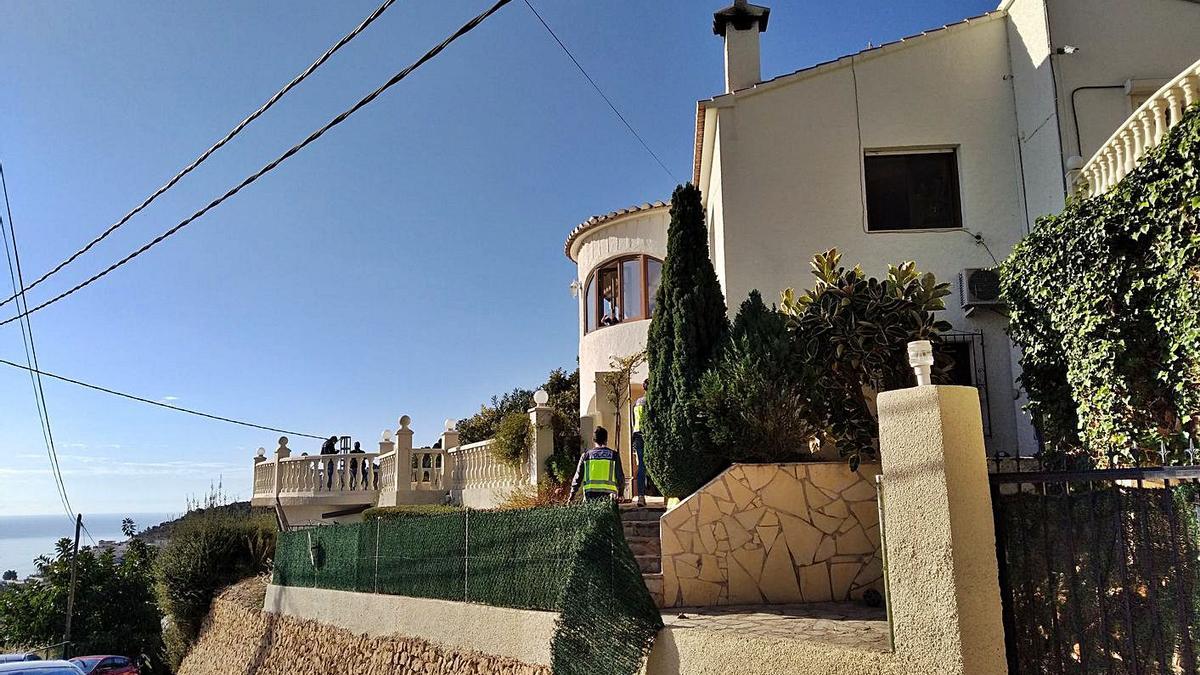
638 445
596 495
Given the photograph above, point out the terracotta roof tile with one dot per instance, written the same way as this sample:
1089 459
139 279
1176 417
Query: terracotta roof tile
597 221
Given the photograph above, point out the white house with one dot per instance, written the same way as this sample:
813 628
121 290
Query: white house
942 147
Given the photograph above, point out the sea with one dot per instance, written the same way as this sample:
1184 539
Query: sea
24 538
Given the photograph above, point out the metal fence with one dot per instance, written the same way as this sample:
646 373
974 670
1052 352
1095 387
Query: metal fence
1099 569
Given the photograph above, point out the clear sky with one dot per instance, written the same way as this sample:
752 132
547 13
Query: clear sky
409 262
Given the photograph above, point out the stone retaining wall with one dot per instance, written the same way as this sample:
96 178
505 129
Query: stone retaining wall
238 638
774 533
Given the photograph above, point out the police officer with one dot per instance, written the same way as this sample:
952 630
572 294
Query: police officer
599 473
639 444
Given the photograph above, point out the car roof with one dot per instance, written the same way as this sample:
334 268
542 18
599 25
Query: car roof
97 656
36 665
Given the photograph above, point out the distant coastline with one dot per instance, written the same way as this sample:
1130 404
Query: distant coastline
24 538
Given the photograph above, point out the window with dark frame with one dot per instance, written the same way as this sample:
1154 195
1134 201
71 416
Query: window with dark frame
621 289
912 191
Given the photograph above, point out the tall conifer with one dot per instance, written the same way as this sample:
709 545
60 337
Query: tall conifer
687 331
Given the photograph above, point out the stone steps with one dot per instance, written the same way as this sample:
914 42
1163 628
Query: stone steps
642 533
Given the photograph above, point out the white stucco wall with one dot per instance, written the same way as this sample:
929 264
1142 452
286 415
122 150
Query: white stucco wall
791 180
643 232
1118 40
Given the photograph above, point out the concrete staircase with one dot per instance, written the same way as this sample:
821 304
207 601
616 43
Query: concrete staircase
641 531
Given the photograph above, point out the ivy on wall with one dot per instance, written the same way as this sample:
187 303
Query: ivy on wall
1105 303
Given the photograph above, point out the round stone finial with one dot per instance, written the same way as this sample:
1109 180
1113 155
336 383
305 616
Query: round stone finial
405 420
450 424
540 397
283 441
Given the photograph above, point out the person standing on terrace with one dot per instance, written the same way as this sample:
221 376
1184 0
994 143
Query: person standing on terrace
599 472
639 444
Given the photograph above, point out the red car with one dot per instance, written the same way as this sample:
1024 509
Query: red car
106 665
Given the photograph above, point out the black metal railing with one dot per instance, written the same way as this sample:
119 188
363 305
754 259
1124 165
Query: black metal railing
1099 569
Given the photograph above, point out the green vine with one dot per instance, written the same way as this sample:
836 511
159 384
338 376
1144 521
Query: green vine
1105 302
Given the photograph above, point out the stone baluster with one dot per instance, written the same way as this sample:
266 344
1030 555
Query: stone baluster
1190 95
1174 107
1158 111
1127 145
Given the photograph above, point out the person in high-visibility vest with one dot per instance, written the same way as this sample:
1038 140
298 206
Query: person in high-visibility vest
599 474
639 416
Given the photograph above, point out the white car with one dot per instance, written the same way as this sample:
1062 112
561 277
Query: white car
40 668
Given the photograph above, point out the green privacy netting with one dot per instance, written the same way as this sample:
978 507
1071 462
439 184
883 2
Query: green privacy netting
573 560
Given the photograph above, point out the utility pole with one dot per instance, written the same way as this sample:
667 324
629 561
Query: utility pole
71 591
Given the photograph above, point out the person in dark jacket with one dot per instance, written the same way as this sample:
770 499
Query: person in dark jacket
599 474
329 447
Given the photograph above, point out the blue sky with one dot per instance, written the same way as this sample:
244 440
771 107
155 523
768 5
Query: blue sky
410 262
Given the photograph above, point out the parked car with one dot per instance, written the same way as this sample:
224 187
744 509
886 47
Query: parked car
18 657
106 665
39 667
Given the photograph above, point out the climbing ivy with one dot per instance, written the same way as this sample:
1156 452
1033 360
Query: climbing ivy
1105 304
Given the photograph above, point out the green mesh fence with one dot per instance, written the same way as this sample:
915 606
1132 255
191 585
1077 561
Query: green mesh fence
573 560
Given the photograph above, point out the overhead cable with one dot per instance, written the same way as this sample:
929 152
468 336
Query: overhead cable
13 257
216 146
599 90
466 28
160 404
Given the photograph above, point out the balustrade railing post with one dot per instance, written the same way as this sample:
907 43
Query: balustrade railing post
542 443
401 481
281 453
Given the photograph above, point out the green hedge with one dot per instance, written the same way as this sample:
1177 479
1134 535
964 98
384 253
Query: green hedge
572 560
408 511
1104 300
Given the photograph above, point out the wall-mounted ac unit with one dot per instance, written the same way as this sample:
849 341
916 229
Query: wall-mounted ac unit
979 288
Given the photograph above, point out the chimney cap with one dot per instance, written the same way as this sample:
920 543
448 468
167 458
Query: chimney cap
742 16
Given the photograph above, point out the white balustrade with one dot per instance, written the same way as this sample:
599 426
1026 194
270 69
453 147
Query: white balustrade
1142 132
314 475
264 478
475 467
428 469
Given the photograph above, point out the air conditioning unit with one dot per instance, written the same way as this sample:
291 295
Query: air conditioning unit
979 288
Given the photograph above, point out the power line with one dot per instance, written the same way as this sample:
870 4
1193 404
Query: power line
466 28
216 146
39 394
599 90
160 404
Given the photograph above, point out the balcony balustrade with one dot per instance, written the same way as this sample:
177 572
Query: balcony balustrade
1141 133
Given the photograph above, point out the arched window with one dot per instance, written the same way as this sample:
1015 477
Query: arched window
621 290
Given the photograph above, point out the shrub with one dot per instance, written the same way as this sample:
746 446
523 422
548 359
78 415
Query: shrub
687 331
513 438
1103 300
547 493
755 400
114 606
407 511
563 388
853 331
485 423
207 552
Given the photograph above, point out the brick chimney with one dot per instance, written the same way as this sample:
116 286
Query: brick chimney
740 24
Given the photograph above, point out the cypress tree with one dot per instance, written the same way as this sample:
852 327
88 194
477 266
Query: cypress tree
687 332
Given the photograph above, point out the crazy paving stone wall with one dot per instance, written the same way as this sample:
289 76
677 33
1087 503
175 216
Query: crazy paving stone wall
238 638
774 533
